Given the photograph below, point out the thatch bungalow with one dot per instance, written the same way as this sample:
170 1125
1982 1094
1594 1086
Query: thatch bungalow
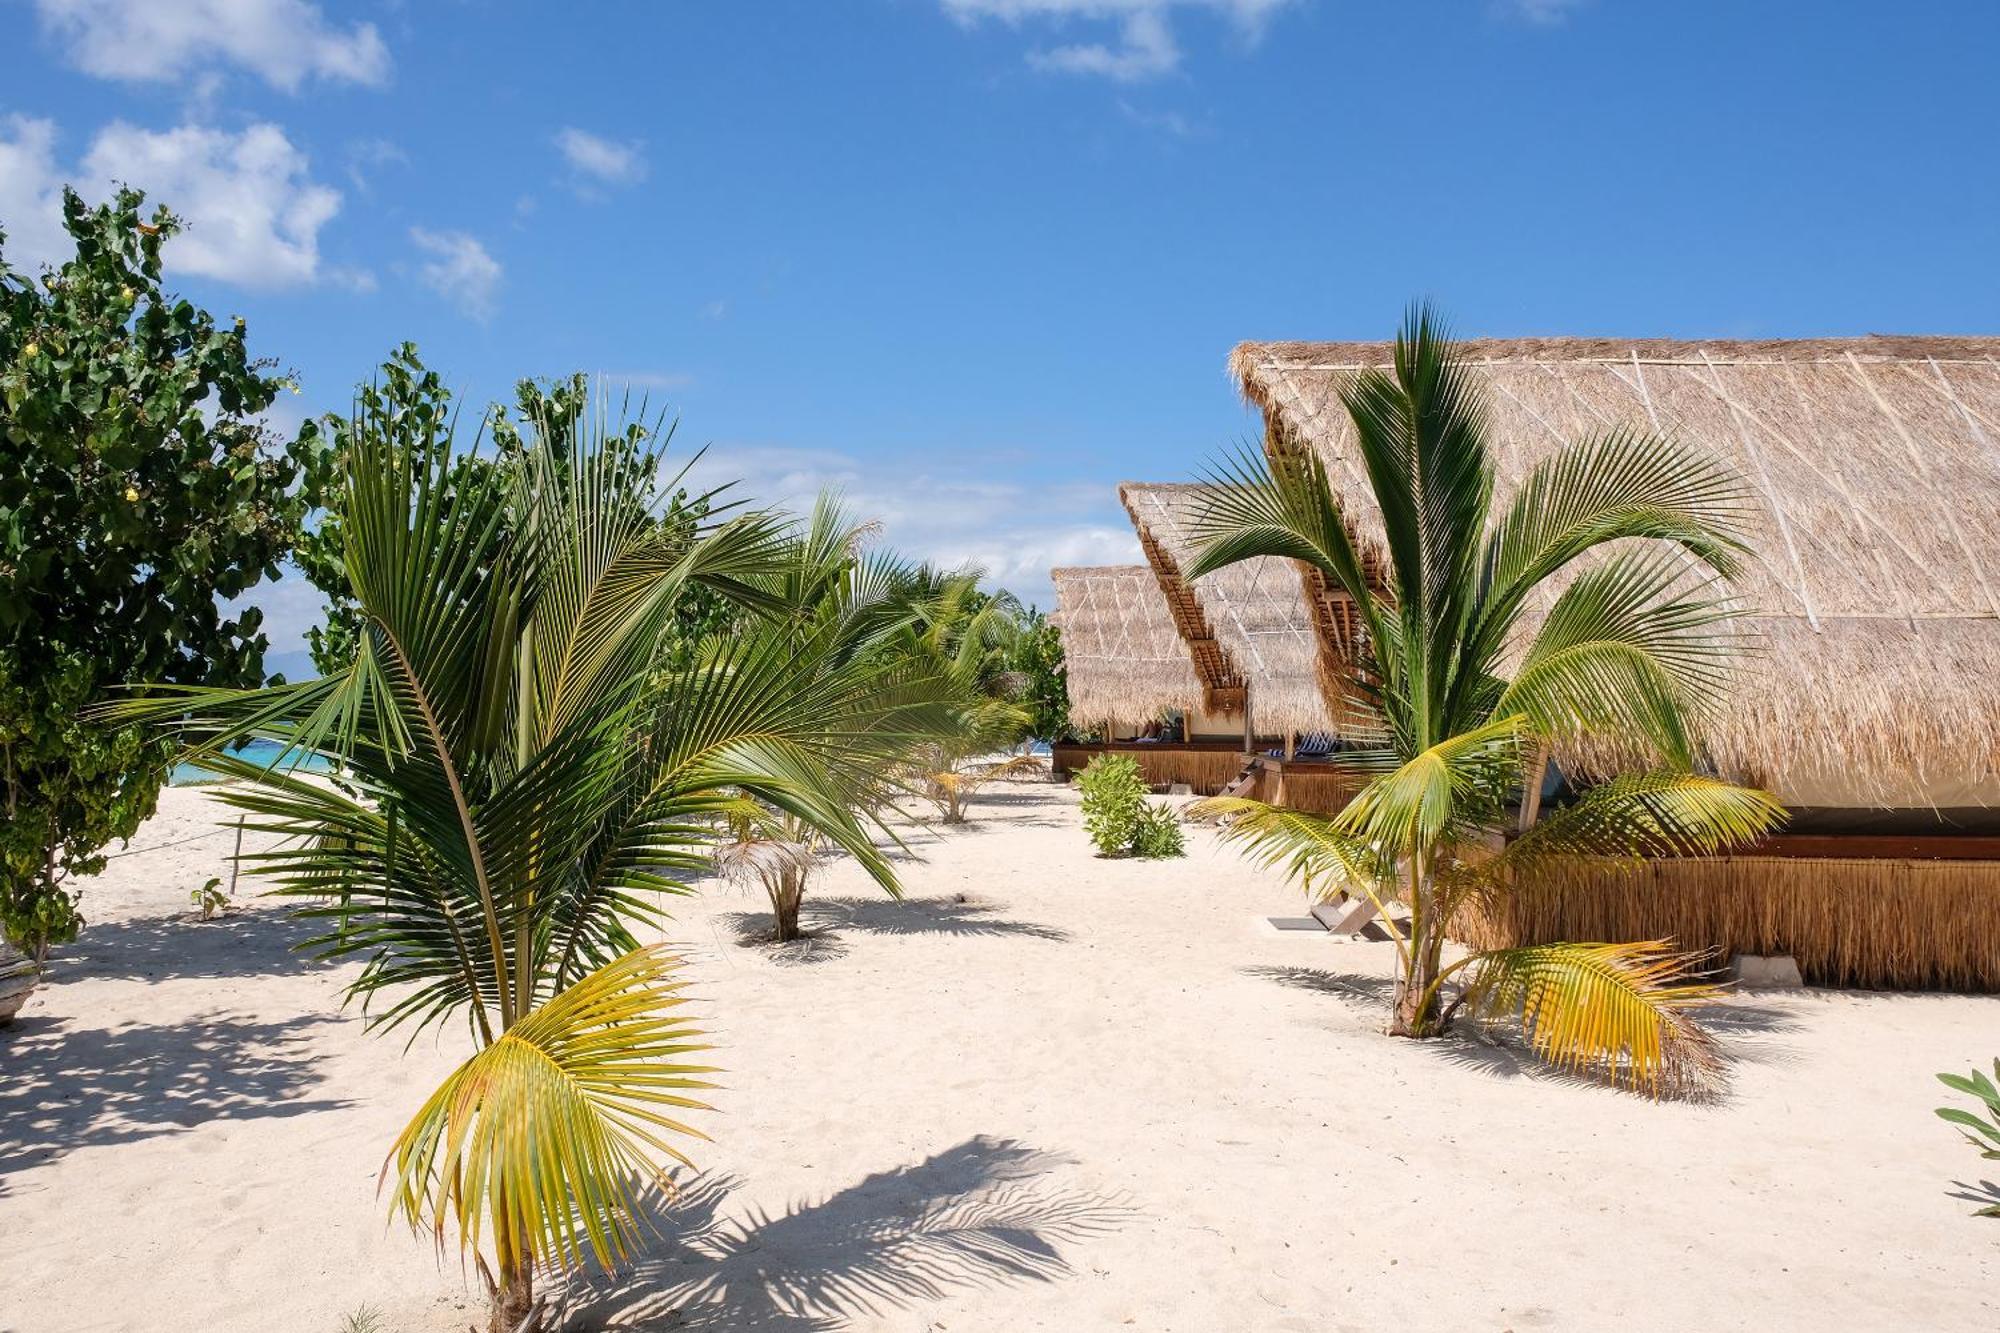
1127 666
1248 638
1873 707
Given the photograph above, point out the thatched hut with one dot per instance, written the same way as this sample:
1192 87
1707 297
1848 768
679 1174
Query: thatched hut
1247 627
1873 705
1127 667
1125 661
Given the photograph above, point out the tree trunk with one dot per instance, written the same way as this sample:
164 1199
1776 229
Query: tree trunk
1415 1006
1412 1017
787 892
515 1309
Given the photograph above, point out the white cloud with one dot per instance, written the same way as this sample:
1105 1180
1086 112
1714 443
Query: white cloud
1145 46
367 157
281 41
1545 11
30 194
461 270
602 160
252 209
1014 531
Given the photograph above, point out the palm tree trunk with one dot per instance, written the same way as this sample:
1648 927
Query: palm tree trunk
1415 1005
514 1305
787 893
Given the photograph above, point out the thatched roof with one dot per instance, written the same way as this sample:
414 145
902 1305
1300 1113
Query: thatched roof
1125 661
1875 463
1247 624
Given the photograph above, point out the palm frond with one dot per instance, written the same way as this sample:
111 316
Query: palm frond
1621 1012
1458 783
1620 485
547 1135
1639 815
1313 849
1630 650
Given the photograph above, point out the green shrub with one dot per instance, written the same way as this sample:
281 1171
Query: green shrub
1158 834
1114 801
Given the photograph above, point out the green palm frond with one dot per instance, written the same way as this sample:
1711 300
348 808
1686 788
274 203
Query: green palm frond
1277 506
1313 849
1622 1012
1632 649
547 1135
1621 485
1457 783
1639 815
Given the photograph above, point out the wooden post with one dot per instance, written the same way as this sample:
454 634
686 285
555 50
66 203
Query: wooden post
1249 729
1531 791
1291 745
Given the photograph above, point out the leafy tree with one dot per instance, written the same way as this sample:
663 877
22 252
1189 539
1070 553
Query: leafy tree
409 403
1633 650
528 777
1037 659
137 488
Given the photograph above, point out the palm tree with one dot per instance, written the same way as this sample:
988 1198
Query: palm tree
521 778
1584 611
778 852
970 633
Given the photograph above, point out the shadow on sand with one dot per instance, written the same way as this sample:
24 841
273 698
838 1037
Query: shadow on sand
826 921
64 1087
249 941
1498 1049
1986 1194
974 1215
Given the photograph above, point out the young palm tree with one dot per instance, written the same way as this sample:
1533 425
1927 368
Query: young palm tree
521 778
970 633
778 852
1585 610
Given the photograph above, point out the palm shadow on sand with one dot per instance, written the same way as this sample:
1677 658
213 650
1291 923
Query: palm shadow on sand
974 1215
827 921
65 1086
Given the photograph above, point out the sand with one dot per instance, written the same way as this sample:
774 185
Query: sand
1046 1092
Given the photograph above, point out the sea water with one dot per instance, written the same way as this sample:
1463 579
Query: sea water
261 752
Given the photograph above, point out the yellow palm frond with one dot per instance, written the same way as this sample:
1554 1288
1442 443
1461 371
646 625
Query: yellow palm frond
1620 1011
547 1132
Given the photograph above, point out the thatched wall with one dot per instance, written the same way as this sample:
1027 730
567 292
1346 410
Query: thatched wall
1126 663
1205 767
1256 612
1884 923
1875 467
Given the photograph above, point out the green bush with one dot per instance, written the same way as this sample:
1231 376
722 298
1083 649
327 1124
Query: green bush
1158 835
1114 801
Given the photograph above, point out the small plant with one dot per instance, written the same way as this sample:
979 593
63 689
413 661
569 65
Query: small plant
366 1319
1114 801
1158 835
209 899
1981 1134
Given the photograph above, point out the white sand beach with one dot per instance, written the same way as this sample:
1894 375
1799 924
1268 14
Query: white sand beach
1048 1091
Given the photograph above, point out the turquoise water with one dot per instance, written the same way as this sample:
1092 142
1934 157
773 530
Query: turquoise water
253 752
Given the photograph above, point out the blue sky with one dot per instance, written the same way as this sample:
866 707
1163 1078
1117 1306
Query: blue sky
975 261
